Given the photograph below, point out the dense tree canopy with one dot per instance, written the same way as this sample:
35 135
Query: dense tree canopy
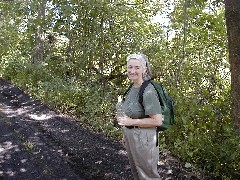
72 54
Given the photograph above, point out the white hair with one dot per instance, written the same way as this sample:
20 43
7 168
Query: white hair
145 63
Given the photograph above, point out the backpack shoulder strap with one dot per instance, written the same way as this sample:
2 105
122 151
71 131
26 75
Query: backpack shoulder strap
156 87
141 91
159 88
126 92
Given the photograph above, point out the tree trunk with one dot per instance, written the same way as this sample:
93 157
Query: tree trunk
232 13
39 46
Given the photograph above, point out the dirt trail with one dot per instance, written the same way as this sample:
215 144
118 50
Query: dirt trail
38 143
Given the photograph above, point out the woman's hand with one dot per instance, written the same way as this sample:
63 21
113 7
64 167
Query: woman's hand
125 121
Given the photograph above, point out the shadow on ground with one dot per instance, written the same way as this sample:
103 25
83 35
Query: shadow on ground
38 143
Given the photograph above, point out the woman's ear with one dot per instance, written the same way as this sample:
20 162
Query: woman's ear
145 71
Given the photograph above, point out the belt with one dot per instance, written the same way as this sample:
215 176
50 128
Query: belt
131 127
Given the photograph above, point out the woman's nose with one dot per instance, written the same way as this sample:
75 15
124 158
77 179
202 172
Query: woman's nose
132 71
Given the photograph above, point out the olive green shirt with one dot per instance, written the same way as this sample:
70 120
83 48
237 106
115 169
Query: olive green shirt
151 103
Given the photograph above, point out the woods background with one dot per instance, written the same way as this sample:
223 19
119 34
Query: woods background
72 54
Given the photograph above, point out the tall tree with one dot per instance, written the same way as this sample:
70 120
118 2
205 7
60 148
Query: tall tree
232 13
39 49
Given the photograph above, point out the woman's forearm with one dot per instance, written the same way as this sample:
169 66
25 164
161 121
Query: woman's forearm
154 120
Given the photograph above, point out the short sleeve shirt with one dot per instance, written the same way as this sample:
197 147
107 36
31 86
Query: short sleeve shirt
151 103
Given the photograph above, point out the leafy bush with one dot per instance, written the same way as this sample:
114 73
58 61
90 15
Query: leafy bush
209 143
202 135
93 104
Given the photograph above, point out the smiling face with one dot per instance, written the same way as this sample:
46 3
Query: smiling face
135 70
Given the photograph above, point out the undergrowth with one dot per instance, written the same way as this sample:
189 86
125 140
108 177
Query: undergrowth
202 136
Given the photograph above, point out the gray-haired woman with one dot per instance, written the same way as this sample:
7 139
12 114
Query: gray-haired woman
139 127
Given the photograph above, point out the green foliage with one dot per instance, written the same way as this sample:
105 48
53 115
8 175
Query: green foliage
90 103
85 46
200 84
207 145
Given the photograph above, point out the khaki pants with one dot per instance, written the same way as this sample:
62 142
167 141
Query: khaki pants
142 152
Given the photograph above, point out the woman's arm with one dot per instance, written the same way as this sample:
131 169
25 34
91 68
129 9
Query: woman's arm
152 121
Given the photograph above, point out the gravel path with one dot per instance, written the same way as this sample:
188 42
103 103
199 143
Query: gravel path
38 143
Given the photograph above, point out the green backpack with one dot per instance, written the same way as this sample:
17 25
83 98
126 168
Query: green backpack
165 100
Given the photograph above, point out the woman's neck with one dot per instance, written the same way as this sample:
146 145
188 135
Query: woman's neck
137 83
